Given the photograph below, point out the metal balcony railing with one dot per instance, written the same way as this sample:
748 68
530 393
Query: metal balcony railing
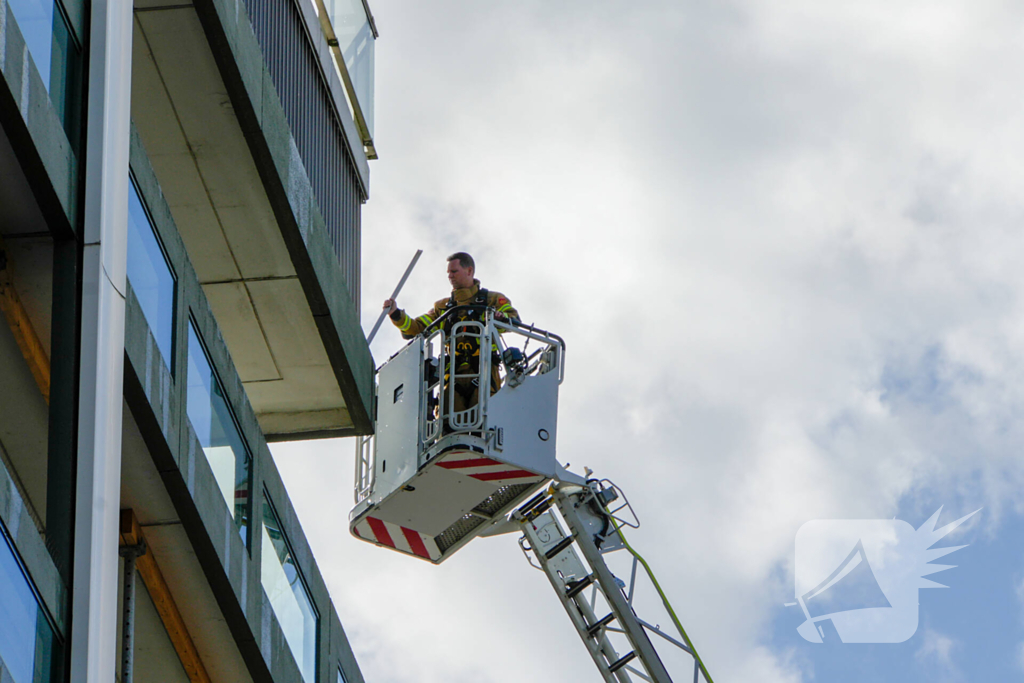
297 74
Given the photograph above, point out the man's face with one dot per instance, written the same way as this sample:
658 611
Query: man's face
458 276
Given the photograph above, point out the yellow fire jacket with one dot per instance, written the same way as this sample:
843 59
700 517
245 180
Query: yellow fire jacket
410 327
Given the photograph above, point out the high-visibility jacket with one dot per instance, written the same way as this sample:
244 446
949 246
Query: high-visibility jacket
410 327
466 352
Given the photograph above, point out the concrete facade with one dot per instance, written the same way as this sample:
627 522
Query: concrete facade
256 275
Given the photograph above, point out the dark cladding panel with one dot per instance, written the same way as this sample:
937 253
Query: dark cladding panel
295 70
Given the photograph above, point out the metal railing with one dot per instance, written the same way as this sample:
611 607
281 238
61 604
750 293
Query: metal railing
440 414
298 76
351 32
438 417
364 467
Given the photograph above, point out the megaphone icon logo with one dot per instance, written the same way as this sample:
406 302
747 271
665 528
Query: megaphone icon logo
857 580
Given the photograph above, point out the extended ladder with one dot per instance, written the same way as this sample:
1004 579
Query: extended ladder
598 604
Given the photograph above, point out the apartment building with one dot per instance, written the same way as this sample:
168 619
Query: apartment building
180 192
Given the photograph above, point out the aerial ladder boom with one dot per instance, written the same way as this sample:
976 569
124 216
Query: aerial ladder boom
442 470
570 548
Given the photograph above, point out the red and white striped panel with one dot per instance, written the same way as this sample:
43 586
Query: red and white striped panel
398 537
486 469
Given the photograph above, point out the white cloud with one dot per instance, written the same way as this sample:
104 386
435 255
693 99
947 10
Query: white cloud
936 654
763 665
782 241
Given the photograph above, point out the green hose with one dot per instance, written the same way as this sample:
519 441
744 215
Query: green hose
664 599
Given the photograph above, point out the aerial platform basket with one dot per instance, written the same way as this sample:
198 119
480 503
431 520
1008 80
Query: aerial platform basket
450 458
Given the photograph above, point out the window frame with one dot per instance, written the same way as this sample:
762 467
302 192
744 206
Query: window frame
269 502
193 325
175 289
7 540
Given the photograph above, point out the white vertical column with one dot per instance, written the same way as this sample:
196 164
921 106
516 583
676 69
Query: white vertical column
94 644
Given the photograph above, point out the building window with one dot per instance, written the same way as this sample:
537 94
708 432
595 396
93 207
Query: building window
27 640
341 676
288 594
57 55
150 274
215 427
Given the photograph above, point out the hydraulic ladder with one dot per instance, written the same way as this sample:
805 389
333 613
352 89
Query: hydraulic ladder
598 603
433 478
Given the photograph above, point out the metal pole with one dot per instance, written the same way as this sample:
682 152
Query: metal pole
130 554
394 295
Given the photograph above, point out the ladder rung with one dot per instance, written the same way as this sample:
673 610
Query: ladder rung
532 503
536 509
573 589
596 628
623 661
559 547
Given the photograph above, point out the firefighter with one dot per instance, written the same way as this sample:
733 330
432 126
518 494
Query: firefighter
466 291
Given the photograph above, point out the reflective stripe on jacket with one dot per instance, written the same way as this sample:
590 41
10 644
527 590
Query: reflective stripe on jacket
410 327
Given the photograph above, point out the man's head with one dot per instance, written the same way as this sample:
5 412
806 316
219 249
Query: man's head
460 270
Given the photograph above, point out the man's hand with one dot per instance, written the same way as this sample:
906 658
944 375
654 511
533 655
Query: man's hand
391 306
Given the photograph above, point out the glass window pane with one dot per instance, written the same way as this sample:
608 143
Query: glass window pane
65 78
356 42
214 425
35 19
341 676
150 275
27 640
56 55
287 593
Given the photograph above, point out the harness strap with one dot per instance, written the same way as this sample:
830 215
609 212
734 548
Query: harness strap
469 357
479 300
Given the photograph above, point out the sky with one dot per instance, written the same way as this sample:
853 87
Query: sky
781 241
